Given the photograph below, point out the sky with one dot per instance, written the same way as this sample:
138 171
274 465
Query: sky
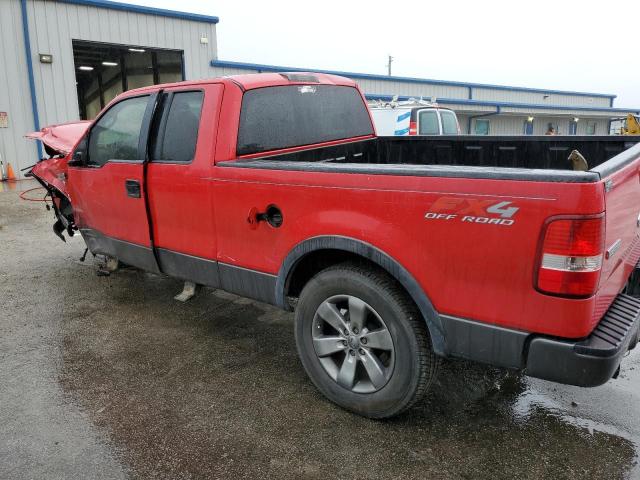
590 46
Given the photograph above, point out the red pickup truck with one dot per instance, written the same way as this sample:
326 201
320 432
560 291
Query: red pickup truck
393 251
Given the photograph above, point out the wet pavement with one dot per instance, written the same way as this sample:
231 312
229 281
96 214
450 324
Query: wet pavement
109 377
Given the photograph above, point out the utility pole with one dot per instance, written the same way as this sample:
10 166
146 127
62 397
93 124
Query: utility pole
389 64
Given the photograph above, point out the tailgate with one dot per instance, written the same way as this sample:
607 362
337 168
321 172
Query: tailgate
621 177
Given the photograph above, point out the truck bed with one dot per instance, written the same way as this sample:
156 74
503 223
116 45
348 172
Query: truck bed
485 156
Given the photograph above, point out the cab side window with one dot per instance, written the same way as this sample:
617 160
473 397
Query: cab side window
116 134
177 133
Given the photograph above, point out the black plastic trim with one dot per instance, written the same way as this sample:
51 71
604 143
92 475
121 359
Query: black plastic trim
146 125
233 279
188 267
129 253
621 160
248 283
485 343
378 257
610 334
456 171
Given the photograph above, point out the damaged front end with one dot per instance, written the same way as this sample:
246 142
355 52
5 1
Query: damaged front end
59 142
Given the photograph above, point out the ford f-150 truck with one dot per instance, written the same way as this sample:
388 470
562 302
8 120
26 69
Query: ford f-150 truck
394 252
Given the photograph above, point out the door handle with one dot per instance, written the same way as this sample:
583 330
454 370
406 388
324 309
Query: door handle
133 188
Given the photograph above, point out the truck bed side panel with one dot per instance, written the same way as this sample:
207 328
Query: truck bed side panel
622 244
468 262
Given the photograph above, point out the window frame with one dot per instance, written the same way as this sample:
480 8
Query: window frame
481 120
162 123
595 128
144 130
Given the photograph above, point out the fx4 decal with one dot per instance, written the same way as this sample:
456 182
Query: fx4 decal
472 210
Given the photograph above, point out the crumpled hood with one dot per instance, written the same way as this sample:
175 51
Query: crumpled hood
61 138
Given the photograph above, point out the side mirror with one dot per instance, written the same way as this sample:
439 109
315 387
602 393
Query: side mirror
77 160
79 157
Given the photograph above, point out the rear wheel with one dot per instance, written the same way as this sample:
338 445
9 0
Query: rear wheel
362 341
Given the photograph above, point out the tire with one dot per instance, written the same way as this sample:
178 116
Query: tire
378 370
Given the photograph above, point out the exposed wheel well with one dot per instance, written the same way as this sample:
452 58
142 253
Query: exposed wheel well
317 253
318 260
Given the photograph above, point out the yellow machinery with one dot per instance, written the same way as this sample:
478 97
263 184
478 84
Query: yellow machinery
631 126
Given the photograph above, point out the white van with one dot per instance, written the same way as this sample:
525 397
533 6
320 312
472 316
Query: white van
413 118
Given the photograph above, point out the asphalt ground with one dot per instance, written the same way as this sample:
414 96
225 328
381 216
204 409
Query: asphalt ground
109 377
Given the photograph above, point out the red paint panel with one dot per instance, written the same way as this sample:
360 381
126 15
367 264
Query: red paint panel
100 201
180 194
622 222
482 271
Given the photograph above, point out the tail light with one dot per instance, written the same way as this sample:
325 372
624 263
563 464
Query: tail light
413 128
571 256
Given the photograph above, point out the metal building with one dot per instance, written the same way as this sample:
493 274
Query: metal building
482 109
63 60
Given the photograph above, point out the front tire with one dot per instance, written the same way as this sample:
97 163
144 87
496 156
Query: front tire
363 342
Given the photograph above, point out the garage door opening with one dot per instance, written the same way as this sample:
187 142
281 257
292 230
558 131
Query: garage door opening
105 70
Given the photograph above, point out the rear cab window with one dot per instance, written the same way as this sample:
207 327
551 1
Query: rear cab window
274 118
428 123
449 123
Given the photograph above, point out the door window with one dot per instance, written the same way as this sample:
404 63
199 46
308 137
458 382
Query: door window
178 130
116 134
428 123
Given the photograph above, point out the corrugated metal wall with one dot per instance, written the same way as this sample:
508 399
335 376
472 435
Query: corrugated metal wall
414 89
15 98
53 25
514 125
541 98
393 86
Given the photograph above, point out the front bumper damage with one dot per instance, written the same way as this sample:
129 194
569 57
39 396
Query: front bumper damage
61 208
